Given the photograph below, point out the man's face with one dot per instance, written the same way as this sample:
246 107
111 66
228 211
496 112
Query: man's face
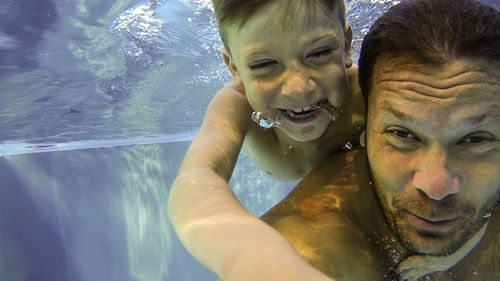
286 71
433 140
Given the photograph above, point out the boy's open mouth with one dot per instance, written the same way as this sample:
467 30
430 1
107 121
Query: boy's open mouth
304 114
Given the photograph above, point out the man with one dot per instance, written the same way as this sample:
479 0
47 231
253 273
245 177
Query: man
420 203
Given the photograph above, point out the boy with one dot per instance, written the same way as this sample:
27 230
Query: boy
290 60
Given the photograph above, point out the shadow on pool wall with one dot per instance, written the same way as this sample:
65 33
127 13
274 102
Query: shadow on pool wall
100 214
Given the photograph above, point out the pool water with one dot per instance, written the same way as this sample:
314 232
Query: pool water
99 102
100 214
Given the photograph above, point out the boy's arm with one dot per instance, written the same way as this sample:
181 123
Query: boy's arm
206 214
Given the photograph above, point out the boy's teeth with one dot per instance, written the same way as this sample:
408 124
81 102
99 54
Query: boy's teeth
307 108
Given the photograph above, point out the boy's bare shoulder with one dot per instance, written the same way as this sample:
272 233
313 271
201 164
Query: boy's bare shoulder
229 107
230 94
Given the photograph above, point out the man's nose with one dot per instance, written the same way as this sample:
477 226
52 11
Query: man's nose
297 84
434 176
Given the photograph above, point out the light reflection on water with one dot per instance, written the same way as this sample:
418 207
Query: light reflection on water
149 236
116 68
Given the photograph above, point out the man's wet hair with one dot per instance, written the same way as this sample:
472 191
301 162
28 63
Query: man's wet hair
234 13
430 32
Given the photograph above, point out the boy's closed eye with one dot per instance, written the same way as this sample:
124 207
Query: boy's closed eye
320 53
262 64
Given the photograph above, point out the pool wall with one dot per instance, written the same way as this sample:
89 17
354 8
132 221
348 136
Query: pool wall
100 214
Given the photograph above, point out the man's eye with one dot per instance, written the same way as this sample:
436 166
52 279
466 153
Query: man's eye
261 64
478 143
476 139
320 53
402 134
401 138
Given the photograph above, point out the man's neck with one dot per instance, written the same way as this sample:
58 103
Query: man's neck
416 266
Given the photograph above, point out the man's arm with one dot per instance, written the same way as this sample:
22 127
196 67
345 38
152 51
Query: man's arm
206 214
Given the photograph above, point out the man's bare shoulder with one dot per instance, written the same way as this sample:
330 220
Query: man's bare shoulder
328 199
332 185
320 219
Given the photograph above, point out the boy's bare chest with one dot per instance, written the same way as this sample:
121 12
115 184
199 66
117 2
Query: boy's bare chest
284 161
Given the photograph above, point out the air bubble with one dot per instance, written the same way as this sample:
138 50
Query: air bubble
348 146
265 122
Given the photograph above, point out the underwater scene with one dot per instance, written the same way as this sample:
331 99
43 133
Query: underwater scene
99 100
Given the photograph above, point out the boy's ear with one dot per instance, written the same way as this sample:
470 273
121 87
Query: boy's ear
347 47
228 60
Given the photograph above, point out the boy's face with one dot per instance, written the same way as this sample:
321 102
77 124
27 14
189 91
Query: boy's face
286 71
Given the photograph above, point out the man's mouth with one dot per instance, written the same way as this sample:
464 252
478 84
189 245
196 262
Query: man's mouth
430 224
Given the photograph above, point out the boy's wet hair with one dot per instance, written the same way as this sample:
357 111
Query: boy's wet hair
234 13
430 32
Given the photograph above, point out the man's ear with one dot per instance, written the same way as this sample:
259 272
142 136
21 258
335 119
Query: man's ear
228 60
347 47
362 139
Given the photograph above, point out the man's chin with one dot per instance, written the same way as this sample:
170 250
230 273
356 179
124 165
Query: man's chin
423 244
426 242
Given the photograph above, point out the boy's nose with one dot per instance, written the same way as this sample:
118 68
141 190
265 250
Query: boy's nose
434 177
297 84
